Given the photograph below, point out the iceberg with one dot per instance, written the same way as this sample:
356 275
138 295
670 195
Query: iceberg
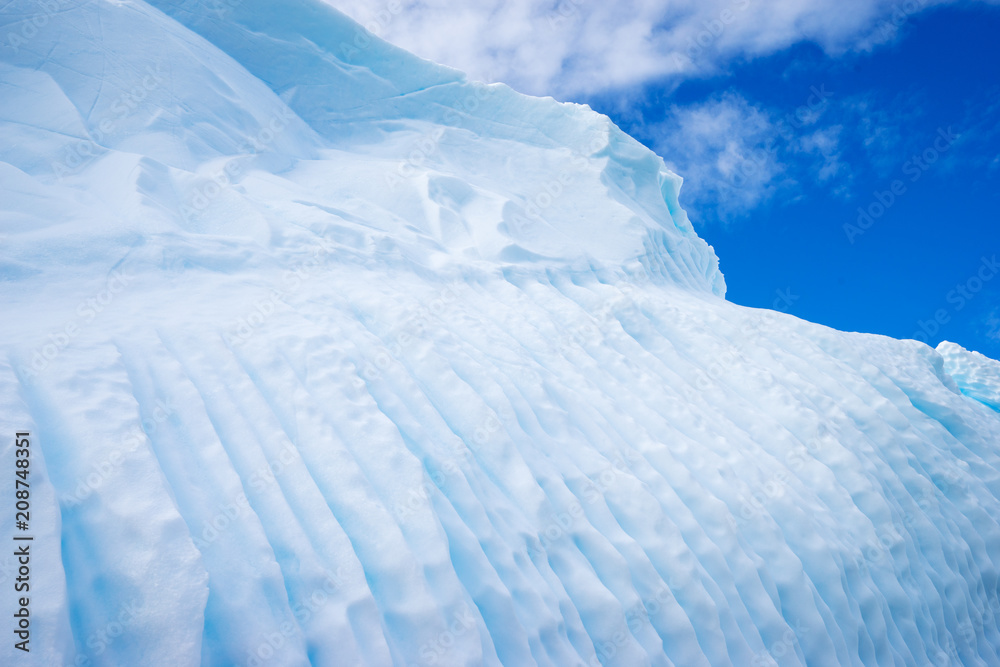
977 376
331 356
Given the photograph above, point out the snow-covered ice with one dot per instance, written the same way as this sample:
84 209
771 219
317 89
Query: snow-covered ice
977 376
333 357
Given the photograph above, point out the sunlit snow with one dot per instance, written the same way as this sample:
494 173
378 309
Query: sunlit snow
334 357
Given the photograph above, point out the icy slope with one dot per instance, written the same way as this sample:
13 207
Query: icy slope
181 139
331 357
977 376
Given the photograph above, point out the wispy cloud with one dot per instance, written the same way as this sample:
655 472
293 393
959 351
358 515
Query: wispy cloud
737 155
726 150
573 48
830 167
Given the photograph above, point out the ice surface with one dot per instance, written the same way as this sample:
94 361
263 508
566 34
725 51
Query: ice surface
976 375
334 357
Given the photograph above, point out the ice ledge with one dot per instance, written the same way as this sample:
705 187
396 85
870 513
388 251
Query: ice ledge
363 95
976 375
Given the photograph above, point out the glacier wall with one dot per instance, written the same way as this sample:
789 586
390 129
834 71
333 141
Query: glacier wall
333 357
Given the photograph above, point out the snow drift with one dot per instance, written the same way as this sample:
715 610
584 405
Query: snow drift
333 357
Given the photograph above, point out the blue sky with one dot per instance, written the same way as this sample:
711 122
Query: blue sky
786 217
784 118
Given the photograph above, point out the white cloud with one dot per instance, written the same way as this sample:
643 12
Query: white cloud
825 143
573 48
735 155
730 153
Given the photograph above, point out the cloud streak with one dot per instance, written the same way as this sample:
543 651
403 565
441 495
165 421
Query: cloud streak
574 48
